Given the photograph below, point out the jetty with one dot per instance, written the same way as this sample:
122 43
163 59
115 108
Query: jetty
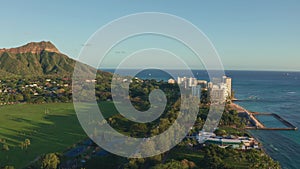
256 124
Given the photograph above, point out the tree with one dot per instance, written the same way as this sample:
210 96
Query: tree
50 161
9 167
27 143
147 148
172 164
5 147
219 132
39 100
27 96
139 129
213 157
24 144
19 97
134 163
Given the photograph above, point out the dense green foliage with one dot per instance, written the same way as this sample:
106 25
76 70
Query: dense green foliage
47 89
29 64
184 164
50 161
183 157
9 167
139 93
108 161
219 158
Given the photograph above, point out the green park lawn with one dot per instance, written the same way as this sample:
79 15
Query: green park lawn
50 127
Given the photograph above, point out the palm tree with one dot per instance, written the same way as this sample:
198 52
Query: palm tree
27 142
50 161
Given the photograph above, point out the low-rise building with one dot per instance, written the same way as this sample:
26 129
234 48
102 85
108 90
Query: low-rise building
171 81
243 143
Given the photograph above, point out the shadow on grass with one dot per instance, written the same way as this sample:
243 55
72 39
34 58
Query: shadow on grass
54 133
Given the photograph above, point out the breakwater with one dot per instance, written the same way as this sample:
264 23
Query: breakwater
288 125
256 124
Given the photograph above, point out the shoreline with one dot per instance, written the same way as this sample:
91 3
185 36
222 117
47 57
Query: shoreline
263 149
256 124
253 120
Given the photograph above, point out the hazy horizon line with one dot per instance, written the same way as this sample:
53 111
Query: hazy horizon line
249 70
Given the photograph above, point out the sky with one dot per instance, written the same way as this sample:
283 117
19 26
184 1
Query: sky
248 35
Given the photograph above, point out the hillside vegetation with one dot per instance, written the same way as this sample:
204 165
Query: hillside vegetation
41 61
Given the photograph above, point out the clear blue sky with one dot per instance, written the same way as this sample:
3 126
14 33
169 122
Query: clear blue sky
256 34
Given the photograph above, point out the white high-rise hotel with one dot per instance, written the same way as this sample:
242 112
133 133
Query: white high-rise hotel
219 89
193 83
227 81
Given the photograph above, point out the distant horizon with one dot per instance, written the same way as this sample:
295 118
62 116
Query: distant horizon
262 70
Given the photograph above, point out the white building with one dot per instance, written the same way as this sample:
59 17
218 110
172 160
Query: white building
227 81
224 87
182 81
187 82
219 88
196 91
192 82
217 95
210 85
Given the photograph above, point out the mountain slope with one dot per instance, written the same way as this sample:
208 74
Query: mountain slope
35 58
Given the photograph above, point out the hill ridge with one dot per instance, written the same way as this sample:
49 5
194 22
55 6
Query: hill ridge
35 58
32 47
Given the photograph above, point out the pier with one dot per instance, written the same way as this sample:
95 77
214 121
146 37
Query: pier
257 125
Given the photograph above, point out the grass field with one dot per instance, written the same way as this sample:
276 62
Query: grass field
52 132
50 128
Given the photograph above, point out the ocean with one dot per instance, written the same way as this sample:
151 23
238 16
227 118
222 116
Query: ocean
273 92
261 91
